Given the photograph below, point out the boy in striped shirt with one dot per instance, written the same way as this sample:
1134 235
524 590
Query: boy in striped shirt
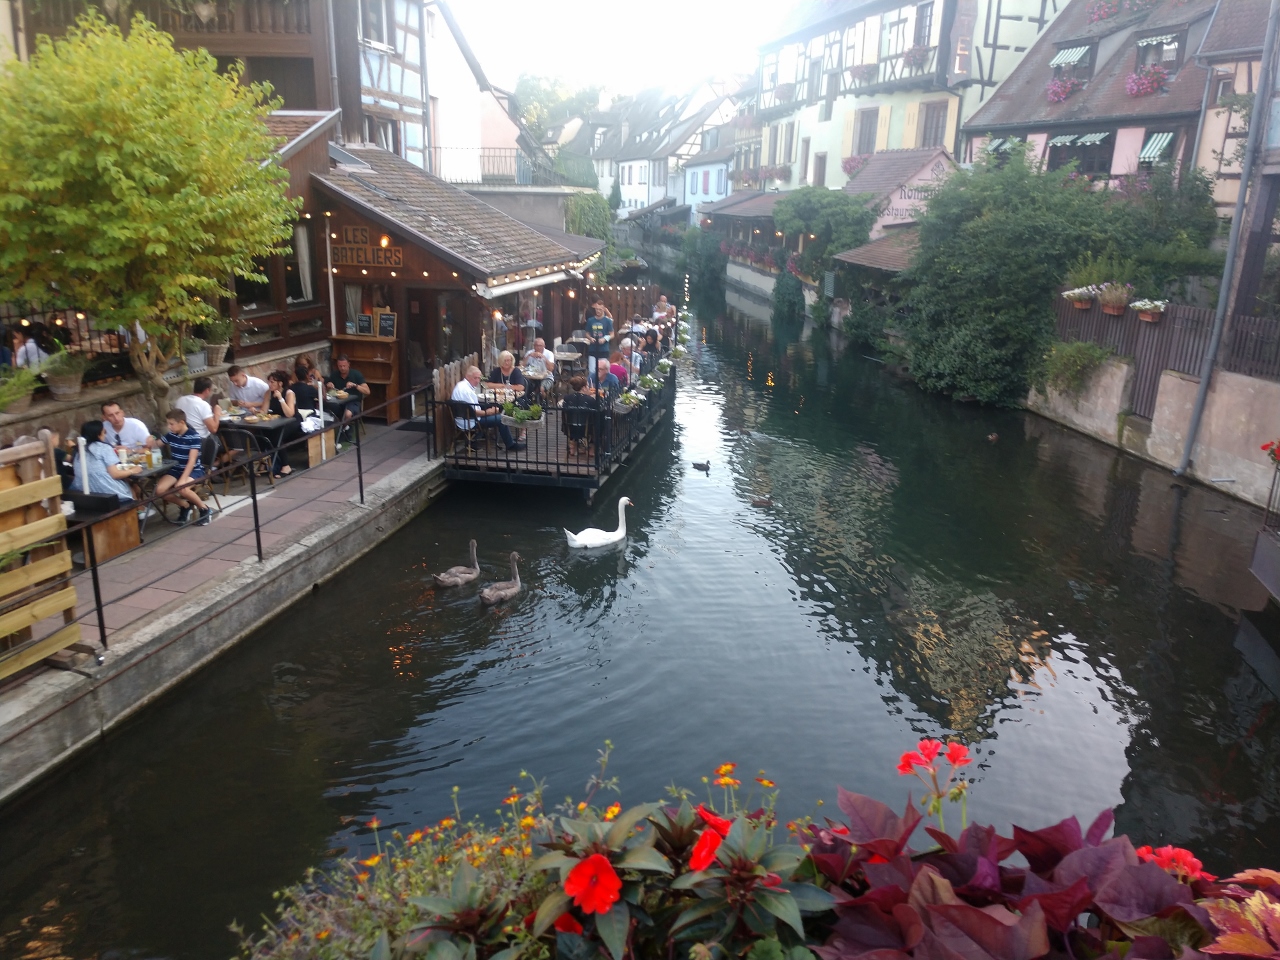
184 447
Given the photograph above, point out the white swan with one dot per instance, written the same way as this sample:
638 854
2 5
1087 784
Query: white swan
591 537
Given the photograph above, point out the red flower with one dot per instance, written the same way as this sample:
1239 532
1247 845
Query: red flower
1183 864
841 829
772 880
909 761
929 749
719 824
593 884
566 924
958 755
704 851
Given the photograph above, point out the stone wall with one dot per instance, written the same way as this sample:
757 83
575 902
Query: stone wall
1241 413
1098 409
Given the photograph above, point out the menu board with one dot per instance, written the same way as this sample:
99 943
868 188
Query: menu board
387 325
364 324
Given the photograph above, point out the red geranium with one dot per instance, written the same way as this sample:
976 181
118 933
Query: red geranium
704 851
958 754
719 824
1183 864
593 884
566 924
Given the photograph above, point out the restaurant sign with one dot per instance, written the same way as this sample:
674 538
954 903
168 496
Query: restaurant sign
361 248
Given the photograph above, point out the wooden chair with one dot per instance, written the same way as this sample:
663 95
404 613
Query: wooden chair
474 435
244 453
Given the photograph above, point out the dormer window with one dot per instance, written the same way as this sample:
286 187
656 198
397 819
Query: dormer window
1162 50
1074 61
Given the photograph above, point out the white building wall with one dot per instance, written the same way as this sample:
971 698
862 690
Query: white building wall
458 105
718 186
634 183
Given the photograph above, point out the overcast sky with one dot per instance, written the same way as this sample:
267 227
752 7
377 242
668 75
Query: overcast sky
627 46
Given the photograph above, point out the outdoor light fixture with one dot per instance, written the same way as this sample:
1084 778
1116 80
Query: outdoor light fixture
384 241
328 213
393 273
79 316
572 294
26 322
424 273
777 233
335 269
306 216
333 236
58 322
756 231
364 273
812 237
497 314
455 274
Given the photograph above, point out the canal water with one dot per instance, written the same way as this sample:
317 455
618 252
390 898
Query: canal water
912 567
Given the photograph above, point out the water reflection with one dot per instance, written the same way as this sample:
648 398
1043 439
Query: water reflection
1069 611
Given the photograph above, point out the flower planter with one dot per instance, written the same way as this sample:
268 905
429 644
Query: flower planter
1113 311
1151 316
64 386
1082 304
196 361
215 353
19 406
524 424
622 409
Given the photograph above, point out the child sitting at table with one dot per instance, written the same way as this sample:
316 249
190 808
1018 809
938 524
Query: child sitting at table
184 447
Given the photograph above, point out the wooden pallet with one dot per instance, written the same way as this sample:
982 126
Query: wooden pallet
35 585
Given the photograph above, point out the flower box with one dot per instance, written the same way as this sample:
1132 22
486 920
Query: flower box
524 424
1151 316
1113 310
1082 304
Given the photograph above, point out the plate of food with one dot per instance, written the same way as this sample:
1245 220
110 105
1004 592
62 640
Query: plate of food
251 419
338 394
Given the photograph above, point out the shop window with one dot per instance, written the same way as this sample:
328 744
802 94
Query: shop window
254 296
299 268
252 335
933 125
312 329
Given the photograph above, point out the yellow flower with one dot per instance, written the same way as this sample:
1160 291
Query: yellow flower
323 935
765 782
448 822
414 837
528 851
508 851
726 781
494 841
372 861
362 876
612 811
725 769
512 800
582 806
527 823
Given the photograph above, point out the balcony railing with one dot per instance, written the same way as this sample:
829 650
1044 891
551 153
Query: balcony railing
509 165
205 16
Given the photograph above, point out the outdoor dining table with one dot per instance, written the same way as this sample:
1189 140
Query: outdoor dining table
146 481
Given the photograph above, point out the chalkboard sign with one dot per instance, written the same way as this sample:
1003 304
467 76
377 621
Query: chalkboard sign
364 324
387 325
351 326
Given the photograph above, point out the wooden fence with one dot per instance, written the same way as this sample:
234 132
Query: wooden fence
625 301
443 380
1251 345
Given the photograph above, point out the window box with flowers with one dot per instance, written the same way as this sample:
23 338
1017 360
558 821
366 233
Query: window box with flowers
1080 297
784 92
915 58
1145 81
1115 297
1062 88
1149 310
865 75
851 165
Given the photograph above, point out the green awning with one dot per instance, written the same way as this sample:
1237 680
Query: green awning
1062 141
1154 148
1071 55
1152 41
1089 139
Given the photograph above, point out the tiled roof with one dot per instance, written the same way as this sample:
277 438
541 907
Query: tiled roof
894 251
582 246
651 208
1238 25
749 203
466 231
1020 101
711 156
299 127
886 171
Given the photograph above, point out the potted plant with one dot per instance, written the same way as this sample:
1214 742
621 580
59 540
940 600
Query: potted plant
1081 297
530 419
1115 297
16 387
915 58
193 353
64 373
783 92
1149 310
1061 88
866 74
217 340
1145 81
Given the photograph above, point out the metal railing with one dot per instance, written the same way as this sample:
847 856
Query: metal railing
420 403
492 165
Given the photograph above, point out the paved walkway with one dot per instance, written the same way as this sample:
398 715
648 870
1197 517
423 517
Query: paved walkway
175 559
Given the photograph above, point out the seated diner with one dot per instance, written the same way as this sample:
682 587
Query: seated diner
507 374
105 473
184 447
469 412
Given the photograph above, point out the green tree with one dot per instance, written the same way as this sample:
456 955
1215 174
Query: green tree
788 298
830 221
615 195
705 265
135 181
545 101
588 215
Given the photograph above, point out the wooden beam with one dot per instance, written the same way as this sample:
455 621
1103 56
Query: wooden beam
19 658
33 573
34 612
31 533
26 493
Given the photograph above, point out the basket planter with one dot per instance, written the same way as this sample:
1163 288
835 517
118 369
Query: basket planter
64 386
622 409
1113 311
215 353
1151 316
1082 304
524 424
196 361
19 406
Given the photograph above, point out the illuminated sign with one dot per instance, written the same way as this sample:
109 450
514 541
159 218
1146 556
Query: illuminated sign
356 250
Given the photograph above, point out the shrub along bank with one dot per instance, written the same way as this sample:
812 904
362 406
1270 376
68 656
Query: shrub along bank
721 879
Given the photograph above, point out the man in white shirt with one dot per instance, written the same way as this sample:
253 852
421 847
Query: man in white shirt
26 352
201 417
662 310
485 416
122 431
632 360
250 392
540 360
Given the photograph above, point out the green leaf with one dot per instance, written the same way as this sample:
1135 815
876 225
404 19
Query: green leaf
443 950
464 877
1179 930
811 899
701 911
621 827
795 953
549 911
435 906
687 881
759 920
510 953
781 905
782 860
644 858
757 842
381 948
613 928
555 860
